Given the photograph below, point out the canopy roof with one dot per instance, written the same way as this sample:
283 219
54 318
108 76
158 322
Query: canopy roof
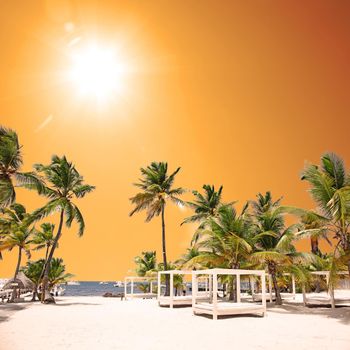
228 272
21 282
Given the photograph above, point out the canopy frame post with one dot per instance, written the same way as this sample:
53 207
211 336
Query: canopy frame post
210 287
293 286
238 288
159 285
215 296
171 290
263 294
194 290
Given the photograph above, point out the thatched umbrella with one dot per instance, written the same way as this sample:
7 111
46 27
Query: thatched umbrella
20 282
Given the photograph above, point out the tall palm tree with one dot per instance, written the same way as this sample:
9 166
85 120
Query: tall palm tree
146 263
273 241
10 165
156 190
330 189
63 183
204 205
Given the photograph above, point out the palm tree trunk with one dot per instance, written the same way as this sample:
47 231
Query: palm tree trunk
345 243
44 267
165 263
233 292
35 292
304 294
18 262
314 245
47 252
272 271
347 250
46 297
315 250
14 292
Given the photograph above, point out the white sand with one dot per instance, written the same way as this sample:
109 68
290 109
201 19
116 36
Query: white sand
106 323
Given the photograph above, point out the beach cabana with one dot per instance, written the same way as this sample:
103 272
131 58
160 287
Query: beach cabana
332 296
133 281
215 307
180 300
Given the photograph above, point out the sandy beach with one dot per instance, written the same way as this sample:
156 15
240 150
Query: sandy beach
103 323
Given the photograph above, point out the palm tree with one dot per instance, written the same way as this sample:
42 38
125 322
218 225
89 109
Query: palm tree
63 183
16 232
205 205
330 189
156 189
58 274
44 238
146 263
10 164
33 270
226 241
273 242
313 226
185 259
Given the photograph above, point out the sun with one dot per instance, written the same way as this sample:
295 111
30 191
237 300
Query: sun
97 72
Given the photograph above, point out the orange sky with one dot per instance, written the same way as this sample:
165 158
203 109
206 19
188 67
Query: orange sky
239 93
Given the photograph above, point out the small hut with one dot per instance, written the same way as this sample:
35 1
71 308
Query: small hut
18 284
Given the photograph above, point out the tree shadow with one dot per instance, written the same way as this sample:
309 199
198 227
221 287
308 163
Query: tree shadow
224 317
176 306
340 313
6 310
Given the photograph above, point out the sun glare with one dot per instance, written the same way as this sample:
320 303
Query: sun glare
97 72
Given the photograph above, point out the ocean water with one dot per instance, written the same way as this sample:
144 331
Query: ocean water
91 288
94 288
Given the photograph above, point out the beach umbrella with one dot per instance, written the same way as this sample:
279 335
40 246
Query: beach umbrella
20 282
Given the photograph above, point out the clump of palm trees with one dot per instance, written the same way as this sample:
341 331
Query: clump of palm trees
61 184
257 236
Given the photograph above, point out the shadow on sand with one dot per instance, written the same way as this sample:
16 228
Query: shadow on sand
223 317
6 310
340 313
